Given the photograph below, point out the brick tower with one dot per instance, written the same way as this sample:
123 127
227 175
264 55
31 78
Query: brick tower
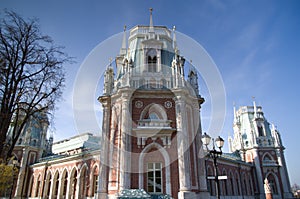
151 122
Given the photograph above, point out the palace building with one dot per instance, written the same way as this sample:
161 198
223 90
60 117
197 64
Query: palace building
151 137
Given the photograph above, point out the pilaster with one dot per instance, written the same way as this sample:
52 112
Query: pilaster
182 141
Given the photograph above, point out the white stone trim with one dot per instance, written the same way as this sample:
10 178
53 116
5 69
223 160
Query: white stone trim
166 164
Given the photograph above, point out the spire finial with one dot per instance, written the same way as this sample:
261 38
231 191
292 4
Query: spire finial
234 114
151 29
174 39
110 61
254 107
124 47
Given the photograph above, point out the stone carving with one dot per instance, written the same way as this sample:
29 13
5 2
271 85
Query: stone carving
139 104
168 104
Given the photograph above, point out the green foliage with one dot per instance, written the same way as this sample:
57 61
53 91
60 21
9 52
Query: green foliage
8 173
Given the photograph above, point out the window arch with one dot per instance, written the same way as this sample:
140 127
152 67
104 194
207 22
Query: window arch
48 185
237 184
273 181
152 60
155 150
95 173
260 131
55 184
231 183
154 111
64 182
73 183
82 182
38 185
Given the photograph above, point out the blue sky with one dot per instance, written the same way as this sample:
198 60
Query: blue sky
255 44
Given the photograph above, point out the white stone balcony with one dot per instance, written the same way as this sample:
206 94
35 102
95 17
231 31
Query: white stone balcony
150 123
149 128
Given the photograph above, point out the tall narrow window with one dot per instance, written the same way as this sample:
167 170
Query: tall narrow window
273 185
154 178
260 131
151 60
65 183
95 181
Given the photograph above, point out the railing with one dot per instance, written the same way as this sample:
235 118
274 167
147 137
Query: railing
154 123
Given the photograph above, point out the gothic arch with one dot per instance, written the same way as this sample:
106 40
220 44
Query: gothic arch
274 183
231 190
38 185
267 157
64 182
55 184
73 189
154 109
237 183
166 157
31 187
83 181
47 186
94 179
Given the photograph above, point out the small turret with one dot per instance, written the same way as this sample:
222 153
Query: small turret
193 79
108 80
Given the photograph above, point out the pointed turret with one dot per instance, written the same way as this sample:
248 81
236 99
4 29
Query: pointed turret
151 28
193 78
174 39
254 107
108 80
123 49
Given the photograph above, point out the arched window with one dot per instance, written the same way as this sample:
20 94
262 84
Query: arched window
95 180
38 184
260 131
154 111
237 182
230 184
56 183
64 183
273 184
48 185
73 184
151 60
83 183
154 177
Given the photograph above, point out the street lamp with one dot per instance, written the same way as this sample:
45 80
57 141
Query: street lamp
214 154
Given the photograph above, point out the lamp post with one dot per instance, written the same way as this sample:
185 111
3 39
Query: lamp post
214 154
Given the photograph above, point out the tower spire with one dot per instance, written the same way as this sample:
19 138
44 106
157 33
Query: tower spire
254 107
123 50
174 38
151 28
234 114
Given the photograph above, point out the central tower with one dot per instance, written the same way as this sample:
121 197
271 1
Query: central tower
151 134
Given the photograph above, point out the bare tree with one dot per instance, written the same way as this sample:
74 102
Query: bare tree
31 76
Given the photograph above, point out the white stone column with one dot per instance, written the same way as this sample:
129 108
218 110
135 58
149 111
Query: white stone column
124 150
183 144
103 178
